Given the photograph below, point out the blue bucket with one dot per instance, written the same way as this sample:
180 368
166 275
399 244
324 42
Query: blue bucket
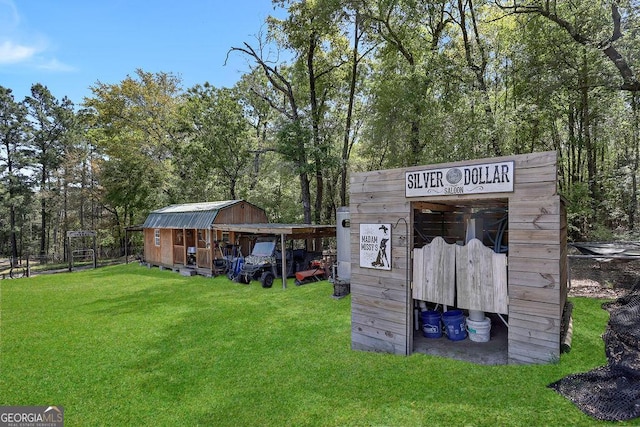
455 325
431 324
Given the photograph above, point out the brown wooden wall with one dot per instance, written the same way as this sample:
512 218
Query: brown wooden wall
151 251
381 300
158 255
241 213
166 247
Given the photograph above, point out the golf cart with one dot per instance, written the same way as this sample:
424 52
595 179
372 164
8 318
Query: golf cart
265 262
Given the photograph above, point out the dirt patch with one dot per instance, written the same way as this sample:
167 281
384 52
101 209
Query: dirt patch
602 278
593 289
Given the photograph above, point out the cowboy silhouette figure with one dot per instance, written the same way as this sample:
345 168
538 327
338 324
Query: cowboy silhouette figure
381 259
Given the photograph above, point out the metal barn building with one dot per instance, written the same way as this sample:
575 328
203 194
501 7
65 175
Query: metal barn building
184 236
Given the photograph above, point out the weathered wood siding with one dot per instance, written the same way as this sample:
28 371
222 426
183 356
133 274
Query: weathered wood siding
434 272
158 255
241 213
537 261
481 278
381 304
151 251
166 243
537 268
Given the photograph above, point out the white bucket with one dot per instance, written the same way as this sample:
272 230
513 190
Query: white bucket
479 331
476 315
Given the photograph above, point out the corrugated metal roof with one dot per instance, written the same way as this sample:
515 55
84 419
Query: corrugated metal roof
294 231
188 215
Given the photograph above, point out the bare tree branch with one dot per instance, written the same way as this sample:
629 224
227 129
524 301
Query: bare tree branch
277 80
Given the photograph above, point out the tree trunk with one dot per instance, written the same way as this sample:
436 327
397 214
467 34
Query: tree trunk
43 212
306 197
282 85
591 152
479 70
346 140
12 207
14 240
548 10
572 162
315 126
635 137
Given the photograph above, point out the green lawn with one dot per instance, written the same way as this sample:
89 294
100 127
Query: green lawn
127 345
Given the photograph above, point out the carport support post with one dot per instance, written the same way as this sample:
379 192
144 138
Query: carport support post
95 253
283 253
69 254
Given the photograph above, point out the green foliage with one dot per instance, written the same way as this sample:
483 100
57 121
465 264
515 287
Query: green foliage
16 157
276 187
131 184
339 86
291 136
151 347
133 124
578 210
217 141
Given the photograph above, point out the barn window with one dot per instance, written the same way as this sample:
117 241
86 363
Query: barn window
156 236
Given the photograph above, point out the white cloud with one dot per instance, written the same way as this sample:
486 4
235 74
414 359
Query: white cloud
55 65
11 53
9 17
21 46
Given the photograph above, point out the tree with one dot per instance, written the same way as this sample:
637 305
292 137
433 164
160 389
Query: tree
134 125
599 47
220 142
476 56
261 118
50 119
293 137
404 78
311 33
587 34
74 179
272 184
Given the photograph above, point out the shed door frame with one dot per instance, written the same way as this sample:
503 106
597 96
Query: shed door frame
501 202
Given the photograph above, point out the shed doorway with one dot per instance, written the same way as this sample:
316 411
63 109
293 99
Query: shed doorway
445 278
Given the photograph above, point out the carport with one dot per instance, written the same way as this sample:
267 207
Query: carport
308 232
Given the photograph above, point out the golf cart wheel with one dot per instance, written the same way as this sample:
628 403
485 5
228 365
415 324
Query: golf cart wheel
267 279
244 279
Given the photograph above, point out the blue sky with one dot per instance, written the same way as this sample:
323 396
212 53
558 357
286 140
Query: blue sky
69 45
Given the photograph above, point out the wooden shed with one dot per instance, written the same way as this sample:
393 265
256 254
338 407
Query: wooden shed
184 236
403 221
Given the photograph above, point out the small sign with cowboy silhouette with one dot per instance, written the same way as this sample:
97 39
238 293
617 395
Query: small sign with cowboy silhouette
375 246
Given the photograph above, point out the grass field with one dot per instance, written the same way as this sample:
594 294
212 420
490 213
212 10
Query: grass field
132 346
